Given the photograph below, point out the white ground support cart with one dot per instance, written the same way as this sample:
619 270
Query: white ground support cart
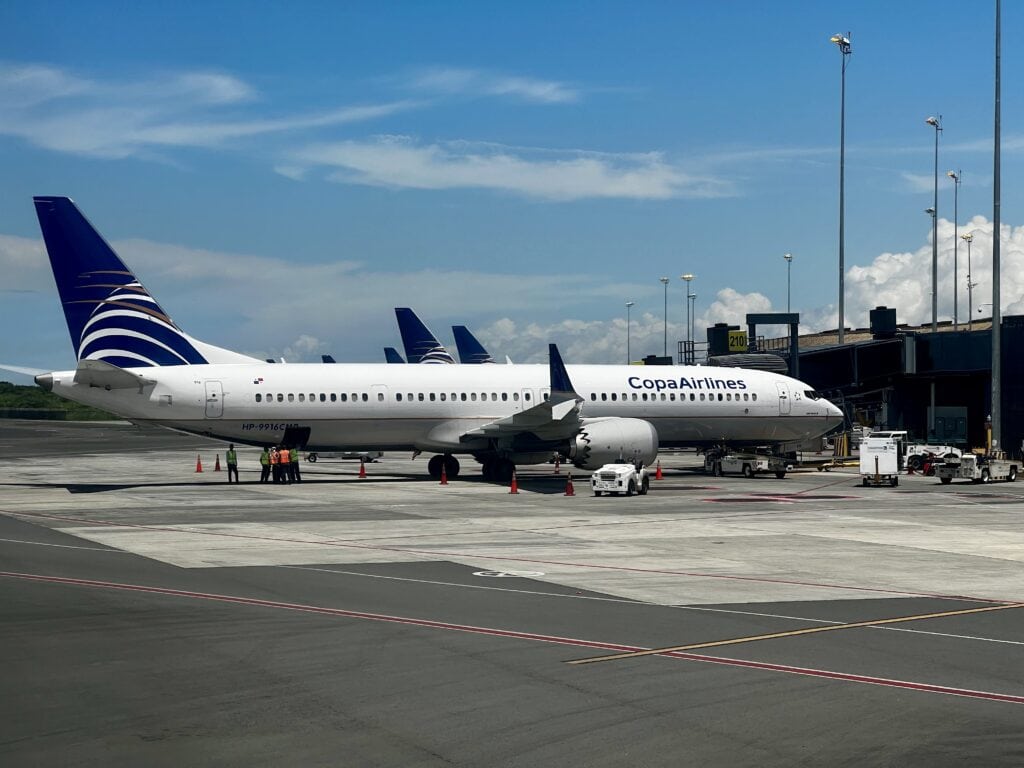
746 464
620 478
977 469
880 460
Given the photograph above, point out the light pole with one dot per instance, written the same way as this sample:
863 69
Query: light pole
845 51
789 273
956 210
967 238
689 335
936 123
629 358
664 282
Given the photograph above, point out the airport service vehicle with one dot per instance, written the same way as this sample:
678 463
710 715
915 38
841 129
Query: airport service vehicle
621 477
366 456
746 464
135 361
919 453
881 459
977 469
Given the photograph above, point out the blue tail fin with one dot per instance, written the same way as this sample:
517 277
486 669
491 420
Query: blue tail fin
110 314
421 346
470 349
391 355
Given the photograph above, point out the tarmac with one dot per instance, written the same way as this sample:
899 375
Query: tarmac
155 615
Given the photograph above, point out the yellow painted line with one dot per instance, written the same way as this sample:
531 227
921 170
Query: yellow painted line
792 633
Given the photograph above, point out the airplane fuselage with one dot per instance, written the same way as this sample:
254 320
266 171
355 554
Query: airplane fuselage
428 408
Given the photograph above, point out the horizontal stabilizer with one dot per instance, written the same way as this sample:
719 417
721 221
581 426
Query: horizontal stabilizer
96 373
22 370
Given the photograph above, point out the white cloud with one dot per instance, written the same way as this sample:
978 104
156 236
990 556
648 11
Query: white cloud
903 280
919 182
477 82
53 109
400 162
24 264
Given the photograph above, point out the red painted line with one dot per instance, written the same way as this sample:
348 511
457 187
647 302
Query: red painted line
505 558
512 634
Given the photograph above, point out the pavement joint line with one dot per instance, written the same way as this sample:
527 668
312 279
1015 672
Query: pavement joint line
333 542
517 635
791 633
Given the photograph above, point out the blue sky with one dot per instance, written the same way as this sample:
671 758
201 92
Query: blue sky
282 176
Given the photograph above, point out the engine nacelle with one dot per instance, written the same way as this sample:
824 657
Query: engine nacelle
603 441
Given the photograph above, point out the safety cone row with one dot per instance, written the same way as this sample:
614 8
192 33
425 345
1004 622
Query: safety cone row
657 472
199 463
216 465
444 475
569 490
515 486
556 465
362 468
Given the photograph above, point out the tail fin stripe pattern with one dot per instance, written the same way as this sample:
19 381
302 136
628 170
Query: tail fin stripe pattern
110 314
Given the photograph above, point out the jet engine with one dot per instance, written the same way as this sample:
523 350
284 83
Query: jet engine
603 441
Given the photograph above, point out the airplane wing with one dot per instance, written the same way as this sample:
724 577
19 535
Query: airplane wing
556 418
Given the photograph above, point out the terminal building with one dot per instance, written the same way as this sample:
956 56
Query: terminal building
937 386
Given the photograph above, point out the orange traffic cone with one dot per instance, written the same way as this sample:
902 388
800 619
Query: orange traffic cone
362 468
444 475
556 465
515 485
216 464
657 472
199 463
569 490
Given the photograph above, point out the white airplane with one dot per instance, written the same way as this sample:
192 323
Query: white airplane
133 360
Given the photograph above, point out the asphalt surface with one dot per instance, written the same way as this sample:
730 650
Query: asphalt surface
152 615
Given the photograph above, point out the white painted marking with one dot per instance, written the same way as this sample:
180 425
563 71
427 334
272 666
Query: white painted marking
510 574
625 601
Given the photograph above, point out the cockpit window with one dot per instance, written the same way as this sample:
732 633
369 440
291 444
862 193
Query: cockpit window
812 394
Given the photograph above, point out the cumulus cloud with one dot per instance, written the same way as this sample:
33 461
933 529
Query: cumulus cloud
903 280
477 82
401 162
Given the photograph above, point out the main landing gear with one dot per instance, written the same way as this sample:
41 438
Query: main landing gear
498 469
446 461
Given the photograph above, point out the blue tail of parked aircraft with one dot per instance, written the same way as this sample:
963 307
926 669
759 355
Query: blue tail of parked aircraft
470 349
111 316
421 346
391 355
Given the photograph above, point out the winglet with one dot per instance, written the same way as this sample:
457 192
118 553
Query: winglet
559 376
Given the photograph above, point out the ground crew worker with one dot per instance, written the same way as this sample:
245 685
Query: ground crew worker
265 465
293 465
275 463
284 460
232 459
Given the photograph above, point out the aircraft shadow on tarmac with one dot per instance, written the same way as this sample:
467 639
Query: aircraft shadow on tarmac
549 485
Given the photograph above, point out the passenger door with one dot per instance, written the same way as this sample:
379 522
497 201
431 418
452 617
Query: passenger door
783 398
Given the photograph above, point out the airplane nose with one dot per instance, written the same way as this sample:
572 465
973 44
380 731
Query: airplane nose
835 414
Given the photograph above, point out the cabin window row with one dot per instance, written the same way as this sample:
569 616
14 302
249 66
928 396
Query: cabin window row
671 396
356 397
